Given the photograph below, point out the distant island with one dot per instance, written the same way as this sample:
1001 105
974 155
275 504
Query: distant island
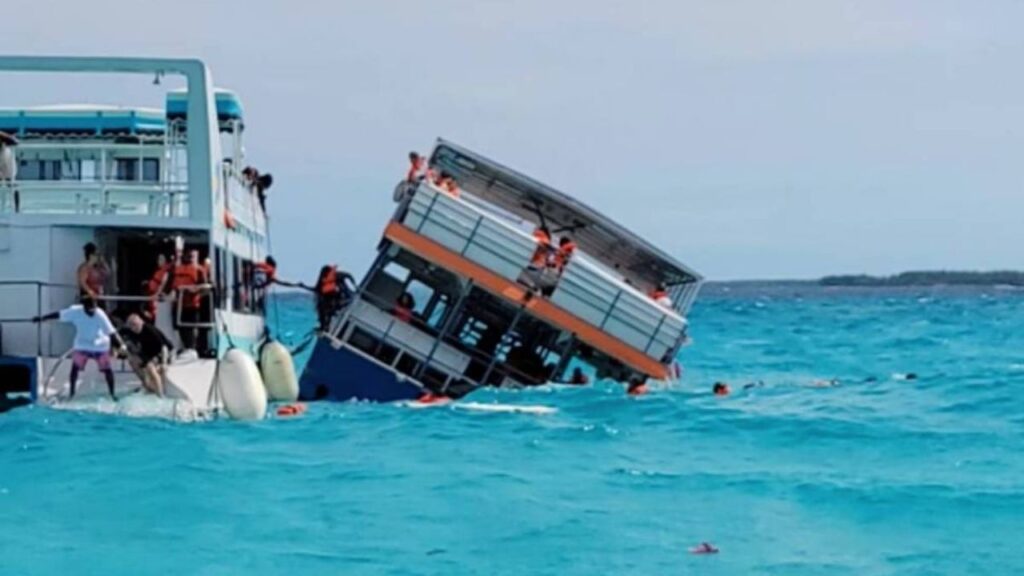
929 278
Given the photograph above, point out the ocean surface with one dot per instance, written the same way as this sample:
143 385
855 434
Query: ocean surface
878 475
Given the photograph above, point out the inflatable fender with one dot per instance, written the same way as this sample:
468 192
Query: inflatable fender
241 387
278 370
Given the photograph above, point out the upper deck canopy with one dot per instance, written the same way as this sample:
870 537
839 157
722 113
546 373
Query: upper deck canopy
75 119
596 234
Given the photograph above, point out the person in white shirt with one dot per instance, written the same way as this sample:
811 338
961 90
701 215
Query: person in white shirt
93 334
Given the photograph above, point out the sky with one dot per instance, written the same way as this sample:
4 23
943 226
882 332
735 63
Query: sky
771 139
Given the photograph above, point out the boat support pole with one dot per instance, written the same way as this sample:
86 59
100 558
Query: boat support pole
494 358
446 329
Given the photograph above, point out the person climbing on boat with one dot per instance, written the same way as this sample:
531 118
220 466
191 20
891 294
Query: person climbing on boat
332 293
535 275
93 336
92 274
187 282
149 350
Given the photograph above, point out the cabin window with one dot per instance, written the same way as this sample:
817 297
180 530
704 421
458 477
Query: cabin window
150 170
421 294
397 271
126 169
88 170
39 170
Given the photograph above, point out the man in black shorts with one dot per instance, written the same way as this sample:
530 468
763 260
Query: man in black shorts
150 349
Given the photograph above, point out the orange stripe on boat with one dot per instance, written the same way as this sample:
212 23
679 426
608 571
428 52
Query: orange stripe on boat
538 306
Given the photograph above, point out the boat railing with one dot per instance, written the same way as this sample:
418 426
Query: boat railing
94 198
20 300
584 289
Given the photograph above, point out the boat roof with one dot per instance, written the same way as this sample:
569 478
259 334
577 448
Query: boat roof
81 118
229 105
600 236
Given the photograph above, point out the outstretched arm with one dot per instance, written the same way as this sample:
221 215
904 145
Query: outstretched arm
50 316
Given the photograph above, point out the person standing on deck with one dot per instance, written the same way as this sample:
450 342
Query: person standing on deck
155 286
92 274
186 281
93 334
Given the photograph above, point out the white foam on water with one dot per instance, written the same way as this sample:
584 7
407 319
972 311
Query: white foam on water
134 406
506 408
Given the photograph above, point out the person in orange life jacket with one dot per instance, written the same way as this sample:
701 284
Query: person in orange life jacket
92 274
404 306
185 279
155 286
566 248
332 292
660 295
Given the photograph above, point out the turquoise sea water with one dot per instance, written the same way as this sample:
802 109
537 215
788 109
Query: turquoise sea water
893 476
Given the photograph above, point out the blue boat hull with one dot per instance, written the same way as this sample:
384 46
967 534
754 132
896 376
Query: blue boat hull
342 374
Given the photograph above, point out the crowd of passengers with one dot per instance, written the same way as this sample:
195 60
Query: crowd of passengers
548 261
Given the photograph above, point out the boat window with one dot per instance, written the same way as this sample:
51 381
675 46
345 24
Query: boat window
421 294
126 169
39 170
397 271
436 314
151 170
407 364
88 170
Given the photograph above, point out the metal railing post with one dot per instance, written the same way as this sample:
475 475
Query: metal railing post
611 309
430 208
655 333
39 325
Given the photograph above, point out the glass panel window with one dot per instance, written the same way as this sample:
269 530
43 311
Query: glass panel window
151 170
126 169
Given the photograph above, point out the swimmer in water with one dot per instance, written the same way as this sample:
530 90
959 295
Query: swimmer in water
704 548
824 383
750 385
721 389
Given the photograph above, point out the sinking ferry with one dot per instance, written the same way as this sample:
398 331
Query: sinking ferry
138 184
448 305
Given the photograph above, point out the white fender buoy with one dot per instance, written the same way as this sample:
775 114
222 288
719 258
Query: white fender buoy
279 373
241 387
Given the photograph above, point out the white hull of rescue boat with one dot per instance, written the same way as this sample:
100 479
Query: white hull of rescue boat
186 387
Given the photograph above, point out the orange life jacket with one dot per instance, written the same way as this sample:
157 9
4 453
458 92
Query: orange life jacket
329 284
659 294
188 275
563 254
540 255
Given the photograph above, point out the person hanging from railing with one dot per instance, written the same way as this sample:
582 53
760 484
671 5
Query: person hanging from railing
332 293
534 276
566 248
92 274
258 184
149 351
93 335
187 283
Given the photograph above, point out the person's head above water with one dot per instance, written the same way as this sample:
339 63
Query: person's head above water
720 389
